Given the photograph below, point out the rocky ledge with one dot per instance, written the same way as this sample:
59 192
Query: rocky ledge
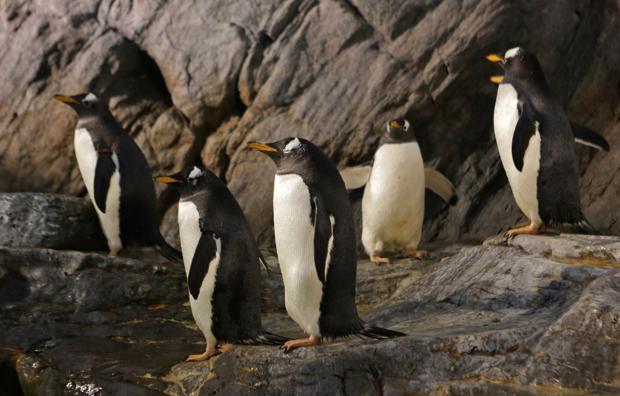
532 315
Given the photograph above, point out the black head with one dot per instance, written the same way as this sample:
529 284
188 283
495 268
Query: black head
521 67
398 130
288 154
85 105
190 180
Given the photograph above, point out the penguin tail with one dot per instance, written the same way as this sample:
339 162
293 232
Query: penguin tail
379 333
168 251
266 338
582 226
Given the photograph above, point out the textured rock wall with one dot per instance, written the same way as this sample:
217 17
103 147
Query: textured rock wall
197 80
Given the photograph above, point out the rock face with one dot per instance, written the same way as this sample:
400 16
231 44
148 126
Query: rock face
529 316
49 221
198 80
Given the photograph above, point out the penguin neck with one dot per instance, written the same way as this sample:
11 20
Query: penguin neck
535 86
390 140
84 122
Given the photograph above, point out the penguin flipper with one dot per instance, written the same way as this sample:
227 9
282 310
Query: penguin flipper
587 137
322 234
169 252
104 170
440 185
355 177
526 127
205 253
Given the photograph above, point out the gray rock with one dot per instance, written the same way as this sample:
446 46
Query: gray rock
49 221
198 80
495 319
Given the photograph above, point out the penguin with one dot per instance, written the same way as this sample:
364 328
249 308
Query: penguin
117 178
315 243
393 200
221 263
536 146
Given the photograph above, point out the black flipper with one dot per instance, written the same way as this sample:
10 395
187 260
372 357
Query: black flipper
587 137
168 252
103 173
205 252
322 233
263 262
379 333
524 130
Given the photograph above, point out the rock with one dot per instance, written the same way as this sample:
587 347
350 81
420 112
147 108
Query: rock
192 80
502 318
49 221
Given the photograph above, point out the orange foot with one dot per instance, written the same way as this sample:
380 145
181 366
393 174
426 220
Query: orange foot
528 229
376 258
414 253
208 354
301 342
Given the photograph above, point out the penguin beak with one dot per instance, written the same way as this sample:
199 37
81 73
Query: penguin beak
394 124
66 99
263 147
496 59
167 180
499 60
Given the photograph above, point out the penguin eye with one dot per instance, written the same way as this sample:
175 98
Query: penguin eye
87 103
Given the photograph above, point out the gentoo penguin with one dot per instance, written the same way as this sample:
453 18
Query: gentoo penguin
393 201
535 143
117 177
221 262
315 242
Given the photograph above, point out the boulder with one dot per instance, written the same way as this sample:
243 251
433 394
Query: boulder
49 221
526 316
196 81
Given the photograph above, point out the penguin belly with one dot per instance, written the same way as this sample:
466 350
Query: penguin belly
393 201
87 162
190 234
294 235
524 184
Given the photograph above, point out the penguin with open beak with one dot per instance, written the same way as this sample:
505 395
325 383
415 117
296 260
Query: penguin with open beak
222 263
316 244
536 146
117 178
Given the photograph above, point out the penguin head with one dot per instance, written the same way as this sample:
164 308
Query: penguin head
520 67
398 130
190 180
85 105
287 153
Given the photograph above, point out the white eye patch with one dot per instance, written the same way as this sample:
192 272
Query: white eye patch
512 52
195 173
406 126
292 145
91 97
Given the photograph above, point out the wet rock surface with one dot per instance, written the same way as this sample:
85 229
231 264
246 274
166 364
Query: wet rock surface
49 221
527 316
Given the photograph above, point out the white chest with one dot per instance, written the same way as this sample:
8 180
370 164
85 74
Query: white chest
523 183
294 235
87 163
190 234
189 231
393 201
